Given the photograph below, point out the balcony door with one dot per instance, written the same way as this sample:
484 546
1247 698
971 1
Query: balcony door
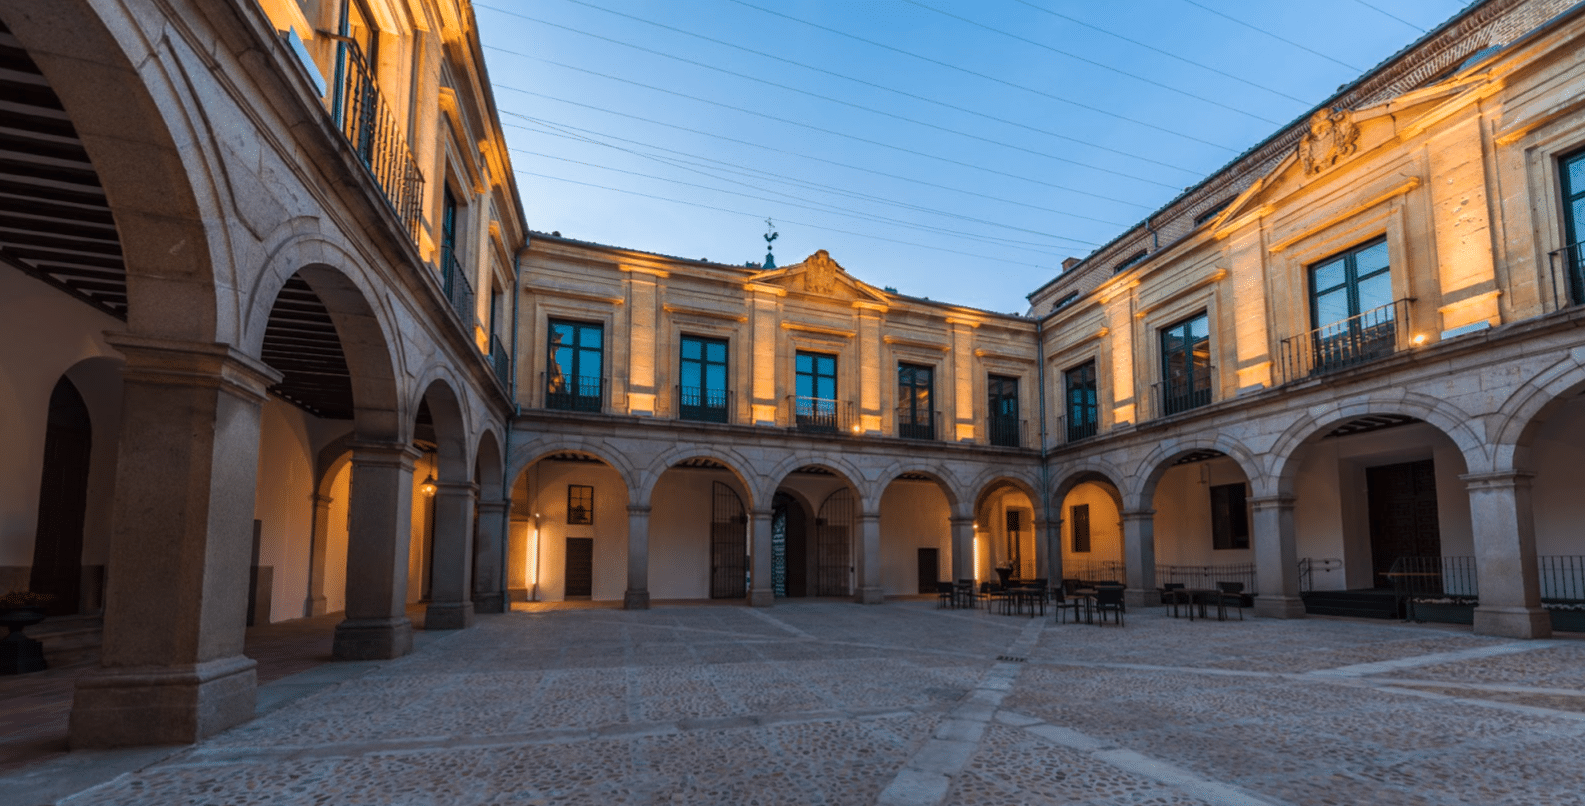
915 417
573 374
1351 307
1002 403
702 394
1082 404
1186 365
1574 223
816 387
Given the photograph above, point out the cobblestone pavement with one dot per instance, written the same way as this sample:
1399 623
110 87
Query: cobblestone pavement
834 703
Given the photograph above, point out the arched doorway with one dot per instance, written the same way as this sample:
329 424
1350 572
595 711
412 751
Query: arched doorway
833 555
63 501
791 564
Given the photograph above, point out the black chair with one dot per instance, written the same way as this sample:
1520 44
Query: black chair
1230 593
1167 588
1109 600
991 593
1063 603
1071 586
965 594
946 595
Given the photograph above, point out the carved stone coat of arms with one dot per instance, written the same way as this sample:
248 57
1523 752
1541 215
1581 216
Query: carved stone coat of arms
820 273
1332 137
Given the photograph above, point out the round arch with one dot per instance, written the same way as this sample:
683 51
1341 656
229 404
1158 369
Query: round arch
1160 460
727 457
842 468
489 471
949 485
1100 473
526 455
453 446
1452 422
1529 407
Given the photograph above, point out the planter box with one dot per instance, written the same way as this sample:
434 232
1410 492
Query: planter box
1442 613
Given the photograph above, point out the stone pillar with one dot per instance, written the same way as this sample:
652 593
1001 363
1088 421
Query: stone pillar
171 668
451 566
378 533
869 559
762 591
1051 538
637 595
489 583
962 548
1276 558
1139 557
315 605
1505 556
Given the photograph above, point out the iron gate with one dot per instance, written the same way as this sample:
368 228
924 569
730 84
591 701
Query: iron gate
728 545
835 528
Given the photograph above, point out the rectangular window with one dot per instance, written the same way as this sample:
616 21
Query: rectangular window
815 404
915 417
1082 404
1229 517
1002 404
1573 170
1351 307
573 375
702 393
1186 365
1079 525
580 504
448 229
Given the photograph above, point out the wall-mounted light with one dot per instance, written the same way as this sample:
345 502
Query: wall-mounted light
428 487
1419 339
858 429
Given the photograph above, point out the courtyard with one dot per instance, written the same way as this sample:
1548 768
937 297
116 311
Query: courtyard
826 702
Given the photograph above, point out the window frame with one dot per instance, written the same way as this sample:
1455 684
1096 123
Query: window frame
1230 522
706 407
580 498
1351 280
1573 228
1079 525
1001 393
912 427
813 412
1077 430
1193 397
579 399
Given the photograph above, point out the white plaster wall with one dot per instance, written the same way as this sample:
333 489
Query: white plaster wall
1106 532
43 333
548 497
679 531
1318 513
914 515
990 533
1183 514
283 504
1557 457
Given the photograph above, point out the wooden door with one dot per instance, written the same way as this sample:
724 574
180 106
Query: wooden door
1403 522
63 501
580 567
929 568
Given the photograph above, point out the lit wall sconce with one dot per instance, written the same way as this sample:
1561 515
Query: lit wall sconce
428 487
1419 339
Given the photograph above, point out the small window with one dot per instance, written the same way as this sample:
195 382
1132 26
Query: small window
1079 523
573 378
1065 301
1129 262
580 504
1229 517
815 382
1212 213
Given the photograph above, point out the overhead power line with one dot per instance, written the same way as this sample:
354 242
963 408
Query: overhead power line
771 149
865 107
775 150
1102 65
1385 12
784 221
985 76
833 132
1167 53
834 74
1282 39
702 169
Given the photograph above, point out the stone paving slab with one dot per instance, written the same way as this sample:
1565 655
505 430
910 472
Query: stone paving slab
834 703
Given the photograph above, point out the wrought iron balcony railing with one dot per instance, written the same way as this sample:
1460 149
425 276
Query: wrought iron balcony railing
1374 334
459 292
1178 395
817 415
1074 429
1005 431
703 405
914 424
500 360
364 118
1572 292
569 393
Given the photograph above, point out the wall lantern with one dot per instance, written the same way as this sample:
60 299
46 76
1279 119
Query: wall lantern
428 487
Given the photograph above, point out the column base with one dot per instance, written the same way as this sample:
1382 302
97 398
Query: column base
635 600
870 596
489 603
1141 597
448 616
1279 606
761 597
146 705
517 594
373 639
1513 622
315 606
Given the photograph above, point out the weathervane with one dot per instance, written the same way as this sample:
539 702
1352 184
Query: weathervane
770 235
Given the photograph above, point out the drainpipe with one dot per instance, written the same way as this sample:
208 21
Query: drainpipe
506 458
1053 548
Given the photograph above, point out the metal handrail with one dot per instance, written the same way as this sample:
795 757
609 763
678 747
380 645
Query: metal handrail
1371 335
458 290
1175 397
1005 431
1308 566
500 360
1206 576
702 404
1573 275
817 415
366 121
913 429
582 393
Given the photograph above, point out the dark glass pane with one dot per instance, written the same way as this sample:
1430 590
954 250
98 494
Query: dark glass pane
715 352
805 386
715 377
560 333
1576 176
826 365
1332 307
1578 218
691 349
589 364
805 362
1199 328
1329 275
1370 260
690 375
1375 292
589 336
826 388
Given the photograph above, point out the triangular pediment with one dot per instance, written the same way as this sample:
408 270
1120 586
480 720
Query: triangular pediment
820 276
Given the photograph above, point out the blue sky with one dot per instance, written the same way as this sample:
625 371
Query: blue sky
952 150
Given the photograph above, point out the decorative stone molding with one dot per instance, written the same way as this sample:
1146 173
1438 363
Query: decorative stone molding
1353 210
921 345
678 310
819 329
1332 137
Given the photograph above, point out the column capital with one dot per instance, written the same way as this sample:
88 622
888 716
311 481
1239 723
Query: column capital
965 521
756 514
1497 480
1137 514
1273 502
321 500
868 516
168 362
637 509
389 454
494 506
456 488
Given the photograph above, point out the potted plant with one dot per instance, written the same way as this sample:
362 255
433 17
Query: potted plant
19 610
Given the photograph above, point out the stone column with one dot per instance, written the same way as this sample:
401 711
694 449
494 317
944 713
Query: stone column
1505 556
378 533
637 595
451 566
489 583
1276 558
869 559
171 668
315 605
762 591
1051 537
1139 557
962 548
